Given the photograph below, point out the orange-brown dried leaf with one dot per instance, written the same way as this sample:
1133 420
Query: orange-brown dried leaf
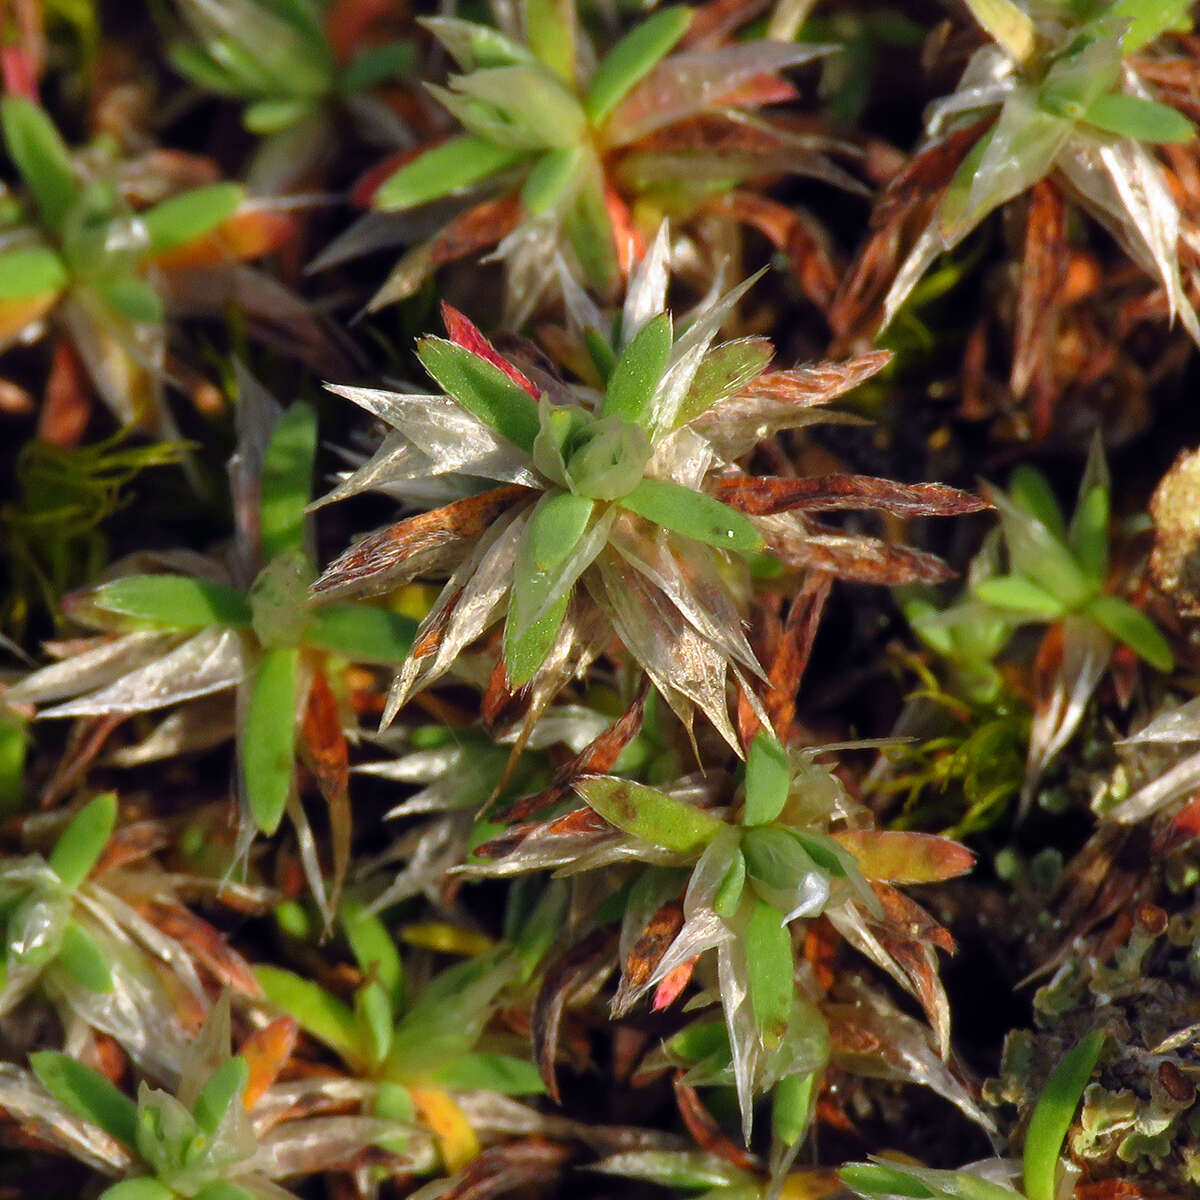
266 1052
327 755
900 856
763 496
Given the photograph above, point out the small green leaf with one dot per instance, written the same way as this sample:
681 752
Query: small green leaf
27 271
87 1094
450 167
482 389
1053 1114
693 514
493 1073
721 372
1019 595
1133 628
374 949
191 214
1031 490
1138 118
632 58
588 225
550 27
131 297
729 893
80 845
1147 19
1089 533
376 1019
875 1179
525 652
792 1106
649 814
556 524
320 1014
272 115
174 601
384 64
268 741
550 179
771 971
225 1086
223 1189
768 779
83 960
639 371
41 156
362 632
195 64
286 481
144 1188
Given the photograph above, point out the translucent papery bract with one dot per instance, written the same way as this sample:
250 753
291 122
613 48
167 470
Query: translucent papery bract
428 853
744 1041
687 84
1123 187
200 725
450 438
684 457
98 665
311 1145
524 252
210 661
646 290
987 81
1172 785
25 1100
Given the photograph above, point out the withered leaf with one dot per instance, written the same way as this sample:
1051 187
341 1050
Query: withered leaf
769 494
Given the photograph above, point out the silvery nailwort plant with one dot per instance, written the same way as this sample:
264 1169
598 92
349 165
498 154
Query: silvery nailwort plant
76 256
1056 91
171 639
615 510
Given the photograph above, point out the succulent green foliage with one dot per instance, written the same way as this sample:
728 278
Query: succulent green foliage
278 58
1066 98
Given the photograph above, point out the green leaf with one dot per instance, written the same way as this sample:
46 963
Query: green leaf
144 1188
768 779
83 960
721 372
191 214
1007 24
1053 1114
223 1189
771 971
174 601
588 225
80 845
374 949
1147 19
87 1094
376 1019
649 814
383 64
482 389
362 632
41 156
693 514
1031 490
27 271
225 1086
549 180
556 524
493 1073
192 62
550 27
639 371
131 297
632 58
525 652
1020 595
268 741
286 481
1133 628
318 1013
1089 533
792 1106
450 167
1140 119
268 116
729 893
876 1179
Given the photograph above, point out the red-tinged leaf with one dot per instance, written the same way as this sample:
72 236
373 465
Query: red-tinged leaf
896 856
764 495
705 1131
820 383
478 228
857 557
267 1052
205 943
328 757
132 843
631 245
795 646
904 914
528 1164
465 333
68 404
1042 279
560 979
671 986
251 232
400 552
647 952
1184 827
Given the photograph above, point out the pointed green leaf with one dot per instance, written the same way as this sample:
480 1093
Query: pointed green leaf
174 601
272 115
80 845
1138 118
191 214
550 28
225 1086
130 297
768 779
1053 1114
693 514
1089 533
639 371
383 64
87 1094
1147 19
492 1073
632 58
223 1189
268 740
143 1188
41 156
1133 628
649 814
875 1179
721 373
286 481
729 894
318 1013
376 1020
362 632
792 1106
27 271
83 960
551 177
482 389
556 524
525 652
374 949
193 63
588 225
771 971
454 165
1019 595
1031 490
